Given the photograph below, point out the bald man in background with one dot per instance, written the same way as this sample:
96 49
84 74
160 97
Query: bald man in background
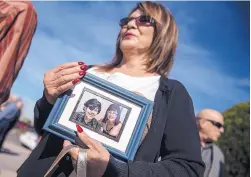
211 125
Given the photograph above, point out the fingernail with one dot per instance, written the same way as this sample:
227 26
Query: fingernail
79 129
75 81
84 67
81 73
80 63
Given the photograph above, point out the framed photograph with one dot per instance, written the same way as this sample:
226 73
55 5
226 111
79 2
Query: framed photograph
108 113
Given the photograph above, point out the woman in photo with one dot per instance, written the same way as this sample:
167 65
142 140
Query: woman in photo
111 123
145 50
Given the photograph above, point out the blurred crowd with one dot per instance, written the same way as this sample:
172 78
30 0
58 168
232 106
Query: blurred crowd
10 112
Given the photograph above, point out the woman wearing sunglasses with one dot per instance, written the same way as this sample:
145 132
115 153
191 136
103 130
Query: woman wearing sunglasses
111 122
144 55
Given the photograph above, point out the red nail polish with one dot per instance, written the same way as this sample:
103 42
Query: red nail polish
75 81
79 129
84 67
80 63
81 73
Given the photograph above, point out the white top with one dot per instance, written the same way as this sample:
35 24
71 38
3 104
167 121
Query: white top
147 86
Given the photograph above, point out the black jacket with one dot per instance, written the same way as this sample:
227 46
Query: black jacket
173 136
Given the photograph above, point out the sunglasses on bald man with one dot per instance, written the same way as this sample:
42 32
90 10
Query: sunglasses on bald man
216 124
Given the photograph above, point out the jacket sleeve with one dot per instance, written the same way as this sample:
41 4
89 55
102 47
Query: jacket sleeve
18 22
41 112
180 149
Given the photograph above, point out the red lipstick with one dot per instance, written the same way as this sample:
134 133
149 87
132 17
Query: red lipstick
128 35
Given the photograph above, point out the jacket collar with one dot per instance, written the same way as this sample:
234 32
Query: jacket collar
163 86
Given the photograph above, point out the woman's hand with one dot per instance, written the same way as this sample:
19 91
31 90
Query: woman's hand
97 156
62 78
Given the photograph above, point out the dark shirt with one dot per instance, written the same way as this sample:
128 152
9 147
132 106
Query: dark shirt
79 118
108 133
173 136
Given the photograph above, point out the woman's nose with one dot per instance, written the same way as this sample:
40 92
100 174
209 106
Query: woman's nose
131 24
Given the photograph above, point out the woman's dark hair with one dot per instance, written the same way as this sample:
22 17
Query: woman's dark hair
92 104
113 107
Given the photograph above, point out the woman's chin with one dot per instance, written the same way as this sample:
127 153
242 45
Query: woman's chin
128 45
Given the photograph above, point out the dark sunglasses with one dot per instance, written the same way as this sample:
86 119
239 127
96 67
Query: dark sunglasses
217 124
143 20
92 107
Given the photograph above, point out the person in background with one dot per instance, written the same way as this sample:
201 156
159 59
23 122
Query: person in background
10 112
211 126
18 21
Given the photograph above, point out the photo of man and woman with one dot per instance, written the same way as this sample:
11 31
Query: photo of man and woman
100 114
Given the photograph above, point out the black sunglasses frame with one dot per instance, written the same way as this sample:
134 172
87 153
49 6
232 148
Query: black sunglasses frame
143 20
216 124
91 107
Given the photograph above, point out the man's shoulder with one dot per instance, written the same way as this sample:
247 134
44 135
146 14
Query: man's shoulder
95 121
217 150
95 124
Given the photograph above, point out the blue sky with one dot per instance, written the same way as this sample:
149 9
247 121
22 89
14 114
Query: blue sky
212 58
